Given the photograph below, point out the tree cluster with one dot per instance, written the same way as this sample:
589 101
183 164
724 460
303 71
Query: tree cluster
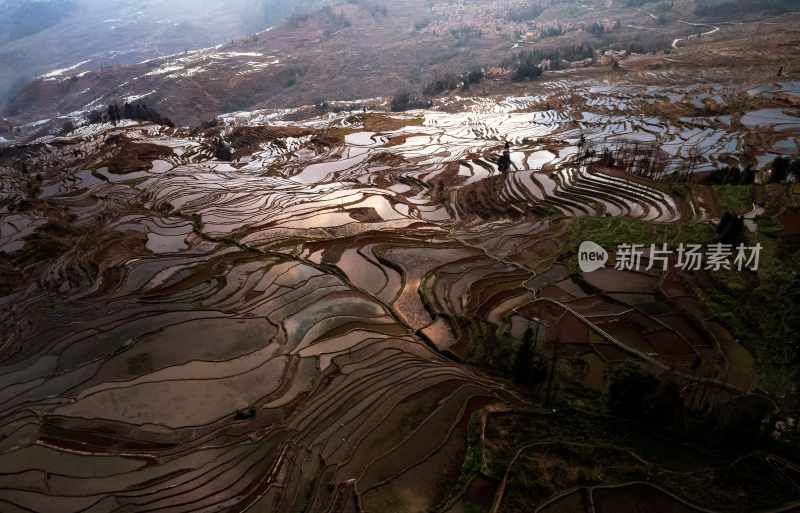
95 117
635 394
451 81
221 150
556 56
730 229
528 366
643 43
445 82
471 78
67 127
573 53
494 348
134 111
784 169
553 31
527 67
596 29
731 175
405 100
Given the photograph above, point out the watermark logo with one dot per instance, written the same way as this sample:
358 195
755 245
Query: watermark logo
591 256
687 257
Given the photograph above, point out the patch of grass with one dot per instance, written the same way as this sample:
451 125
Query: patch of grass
762 309
737 199
310 468
610 232
473 462
376 122
197 223
490 347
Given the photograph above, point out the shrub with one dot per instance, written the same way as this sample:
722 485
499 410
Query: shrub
474 77
67 128
527 67
528 367
404 100
630 392
780 170
446 82
637 395
784 170
222 151
730 229
95 117
794 170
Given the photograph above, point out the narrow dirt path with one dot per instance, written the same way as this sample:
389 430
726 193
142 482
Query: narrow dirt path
714 30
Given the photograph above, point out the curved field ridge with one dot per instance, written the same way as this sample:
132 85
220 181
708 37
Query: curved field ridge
185 334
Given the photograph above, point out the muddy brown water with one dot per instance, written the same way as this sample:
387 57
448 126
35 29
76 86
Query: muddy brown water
292 282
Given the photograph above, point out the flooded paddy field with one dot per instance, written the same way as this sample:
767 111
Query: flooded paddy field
290 330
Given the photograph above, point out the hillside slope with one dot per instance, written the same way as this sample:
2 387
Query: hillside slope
364 49
40 38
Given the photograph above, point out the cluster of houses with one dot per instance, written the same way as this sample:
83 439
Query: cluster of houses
484 16
606 58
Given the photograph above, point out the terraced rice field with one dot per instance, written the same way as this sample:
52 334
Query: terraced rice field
274 333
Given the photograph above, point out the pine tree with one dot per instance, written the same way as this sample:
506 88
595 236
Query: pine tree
114 113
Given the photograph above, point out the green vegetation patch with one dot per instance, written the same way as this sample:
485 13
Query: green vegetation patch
762 311
737 199
570 448
610 232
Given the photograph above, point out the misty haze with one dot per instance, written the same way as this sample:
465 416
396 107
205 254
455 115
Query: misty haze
448 256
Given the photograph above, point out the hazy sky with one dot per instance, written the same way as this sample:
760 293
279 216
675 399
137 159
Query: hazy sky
38 36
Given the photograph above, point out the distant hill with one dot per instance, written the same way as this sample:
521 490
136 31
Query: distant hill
41 36
343 50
